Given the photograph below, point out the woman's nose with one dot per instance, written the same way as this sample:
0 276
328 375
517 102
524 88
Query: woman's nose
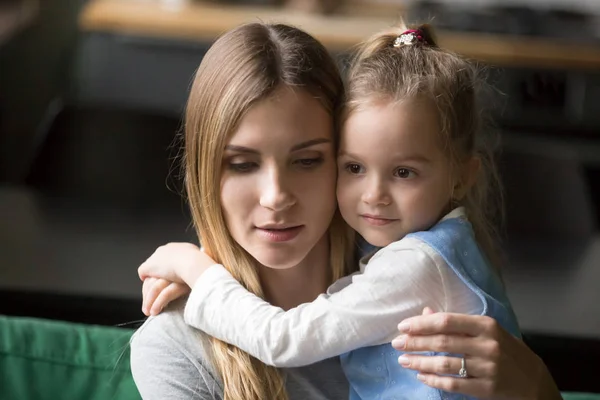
275 192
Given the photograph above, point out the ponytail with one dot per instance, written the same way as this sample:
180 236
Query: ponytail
384 40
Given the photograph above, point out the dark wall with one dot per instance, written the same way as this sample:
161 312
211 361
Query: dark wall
34 69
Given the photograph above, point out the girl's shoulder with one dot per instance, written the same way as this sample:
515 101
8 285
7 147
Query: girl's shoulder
406 245
452 227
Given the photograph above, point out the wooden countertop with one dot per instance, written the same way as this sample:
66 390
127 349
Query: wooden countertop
197 21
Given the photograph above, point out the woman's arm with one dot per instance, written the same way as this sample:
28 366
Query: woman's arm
395 285
499 365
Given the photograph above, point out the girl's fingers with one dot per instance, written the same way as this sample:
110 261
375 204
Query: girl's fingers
444 365
146 285
443 344
145 268
479 388
167 295
151 292
427 311
448 323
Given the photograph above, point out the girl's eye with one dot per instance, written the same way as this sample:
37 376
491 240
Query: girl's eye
309 162
354 168
404 173
243 167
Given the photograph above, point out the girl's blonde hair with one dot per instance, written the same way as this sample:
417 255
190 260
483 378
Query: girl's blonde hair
390 70
243 67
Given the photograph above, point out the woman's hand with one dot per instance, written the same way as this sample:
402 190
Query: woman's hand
499 366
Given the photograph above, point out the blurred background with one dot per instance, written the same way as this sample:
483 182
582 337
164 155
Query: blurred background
91 99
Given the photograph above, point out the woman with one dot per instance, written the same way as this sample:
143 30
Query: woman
260 175
260 154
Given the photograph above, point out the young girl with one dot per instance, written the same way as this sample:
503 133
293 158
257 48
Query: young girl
414 180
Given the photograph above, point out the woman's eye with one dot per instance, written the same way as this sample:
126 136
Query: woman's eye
309 162
243 167
404 173
354 168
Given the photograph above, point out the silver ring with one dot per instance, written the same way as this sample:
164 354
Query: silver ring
463 368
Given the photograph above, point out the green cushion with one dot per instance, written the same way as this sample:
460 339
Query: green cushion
580 396
42 359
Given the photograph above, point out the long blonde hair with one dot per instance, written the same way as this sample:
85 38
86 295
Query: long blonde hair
384 69
242 67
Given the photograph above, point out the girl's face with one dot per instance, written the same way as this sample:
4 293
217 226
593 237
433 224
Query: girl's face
393 176
278 180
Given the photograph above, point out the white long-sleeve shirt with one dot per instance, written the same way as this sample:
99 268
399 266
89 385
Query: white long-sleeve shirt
361 310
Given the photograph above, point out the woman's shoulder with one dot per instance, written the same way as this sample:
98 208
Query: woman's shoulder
169 323
169 330
171 359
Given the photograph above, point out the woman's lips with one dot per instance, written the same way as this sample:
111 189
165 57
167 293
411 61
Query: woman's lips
280 235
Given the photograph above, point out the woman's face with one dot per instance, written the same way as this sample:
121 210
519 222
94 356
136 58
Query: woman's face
278 178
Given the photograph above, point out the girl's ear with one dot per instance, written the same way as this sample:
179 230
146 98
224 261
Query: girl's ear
468 176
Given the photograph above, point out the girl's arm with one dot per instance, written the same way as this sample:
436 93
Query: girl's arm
395 285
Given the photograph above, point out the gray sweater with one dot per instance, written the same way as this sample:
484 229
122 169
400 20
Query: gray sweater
169 361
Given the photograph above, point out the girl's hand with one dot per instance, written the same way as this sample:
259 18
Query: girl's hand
499 365
158 293
176 262
169 273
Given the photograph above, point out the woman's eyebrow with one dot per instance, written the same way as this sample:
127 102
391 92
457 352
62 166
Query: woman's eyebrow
299 146
241 149
309 143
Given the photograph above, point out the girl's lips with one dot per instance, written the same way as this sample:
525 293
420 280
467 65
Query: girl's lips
377 221
280 235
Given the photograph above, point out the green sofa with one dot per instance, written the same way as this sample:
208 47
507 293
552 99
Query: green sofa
56 360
